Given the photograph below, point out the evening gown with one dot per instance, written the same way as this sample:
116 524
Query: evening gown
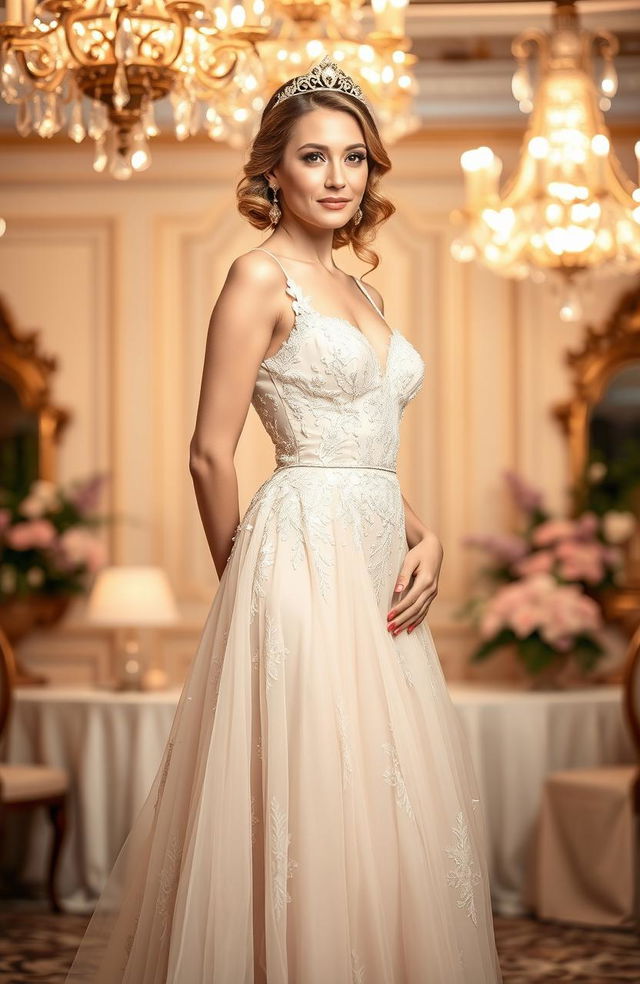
315 818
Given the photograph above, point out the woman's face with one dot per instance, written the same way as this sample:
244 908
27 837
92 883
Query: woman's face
323 172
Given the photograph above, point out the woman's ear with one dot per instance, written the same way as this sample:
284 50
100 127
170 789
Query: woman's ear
271 179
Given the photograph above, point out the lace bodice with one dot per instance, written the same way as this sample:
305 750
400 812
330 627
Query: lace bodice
324 397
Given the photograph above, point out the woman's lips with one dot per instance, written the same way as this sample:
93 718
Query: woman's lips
333 205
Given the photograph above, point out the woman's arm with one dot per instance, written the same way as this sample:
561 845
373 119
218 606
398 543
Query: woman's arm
240 330
414 527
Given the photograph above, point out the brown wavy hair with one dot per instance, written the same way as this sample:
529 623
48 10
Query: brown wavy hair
267 149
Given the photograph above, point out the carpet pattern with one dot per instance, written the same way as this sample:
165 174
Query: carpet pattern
38 946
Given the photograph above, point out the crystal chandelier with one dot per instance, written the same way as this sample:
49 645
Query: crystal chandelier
569 209
218 63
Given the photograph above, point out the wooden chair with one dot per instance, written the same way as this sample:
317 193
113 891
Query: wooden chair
585 864
24 787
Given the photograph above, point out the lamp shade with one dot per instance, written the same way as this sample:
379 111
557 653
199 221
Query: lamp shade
129 595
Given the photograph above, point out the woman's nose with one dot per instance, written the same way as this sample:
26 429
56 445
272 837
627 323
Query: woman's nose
335 177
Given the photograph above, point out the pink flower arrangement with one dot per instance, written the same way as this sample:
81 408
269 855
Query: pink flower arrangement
544 581
46 541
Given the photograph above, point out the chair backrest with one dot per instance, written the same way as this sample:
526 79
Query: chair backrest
631 686
7 677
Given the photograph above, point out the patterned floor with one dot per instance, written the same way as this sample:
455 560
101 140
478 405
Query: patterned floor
38 946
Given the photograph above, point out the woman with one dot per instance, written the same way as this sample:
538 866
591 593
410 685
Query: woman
316 818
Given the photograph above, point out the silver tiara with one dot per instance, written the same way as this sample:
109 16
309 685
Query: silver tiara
326 75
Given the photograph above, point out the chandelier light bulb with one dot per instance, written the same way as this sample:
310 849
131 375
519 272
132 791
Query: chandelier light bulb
539 148
600 145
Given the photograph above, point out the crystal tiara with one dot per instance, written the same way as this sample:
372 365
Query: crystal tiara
325 75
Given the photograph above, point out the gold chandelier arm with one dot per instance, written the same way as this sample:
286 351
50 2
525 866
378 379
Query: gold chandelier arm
35 57
520 46
605 39
211 79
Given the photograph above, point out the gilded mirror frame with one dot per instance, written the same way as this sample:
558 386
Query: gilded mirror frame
29 372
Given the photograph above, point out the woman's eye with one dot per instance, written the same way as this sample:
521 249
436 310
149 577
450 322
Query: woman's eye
312 156
356 157
315 153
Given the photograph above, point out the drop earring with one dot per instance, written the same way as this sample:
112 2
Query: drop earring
274 212
357 219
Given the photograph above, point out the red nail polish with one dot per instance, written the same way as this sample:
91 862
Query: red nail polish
391 627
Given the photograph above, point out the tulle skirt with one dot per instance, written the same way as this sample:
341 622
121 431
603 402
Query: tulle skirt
315 818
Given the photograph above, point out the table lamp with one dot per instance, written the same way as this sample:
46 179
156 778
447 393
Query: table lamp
131 598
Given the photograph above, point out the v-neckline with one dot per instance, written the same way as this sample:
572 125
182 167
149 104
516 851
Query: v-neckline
382 370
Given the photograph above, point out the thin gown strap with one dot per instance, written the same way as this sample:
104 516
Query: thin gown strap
369 298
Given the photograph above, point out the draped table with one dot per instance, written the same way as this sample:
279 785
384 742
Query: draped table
111 744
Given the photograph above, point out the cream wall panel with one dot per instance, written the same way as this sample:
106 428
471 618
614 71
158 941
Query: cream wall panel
56 276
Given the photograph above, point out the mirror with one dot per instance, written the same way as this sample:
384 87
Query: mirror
614 425
18 441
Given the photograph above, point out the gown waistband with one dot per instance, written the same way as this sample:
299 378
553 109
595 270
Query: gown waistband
313 464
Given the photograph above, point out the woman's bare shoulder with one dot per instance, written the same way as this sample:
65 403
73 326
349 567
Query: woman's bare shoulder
256 270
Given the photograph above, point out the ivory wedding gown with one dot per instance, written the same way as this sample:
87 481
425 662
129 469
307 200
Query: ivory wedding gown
315 818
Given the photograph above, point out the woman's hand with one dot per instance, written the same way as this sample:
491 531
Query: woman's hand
423 563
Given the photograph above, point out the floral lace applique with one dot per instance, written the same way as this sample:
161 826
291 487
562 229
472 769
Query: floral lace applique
275 651
282 866
394 777
267 405
357 969
345 747
462 877
264 561
404 663
306 514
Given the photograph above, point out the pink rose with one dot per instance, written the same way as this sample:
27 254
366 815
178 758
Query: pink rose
490 624
540 560
506 547
524 620
79 547
587 524
580 561
35 533
552 530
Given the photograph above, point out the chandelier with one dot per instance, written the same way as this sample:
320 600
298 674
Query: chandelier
569 209
217 62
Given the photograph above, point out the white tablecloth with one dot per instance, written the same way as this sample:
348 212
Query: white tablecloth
516 739
112 743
